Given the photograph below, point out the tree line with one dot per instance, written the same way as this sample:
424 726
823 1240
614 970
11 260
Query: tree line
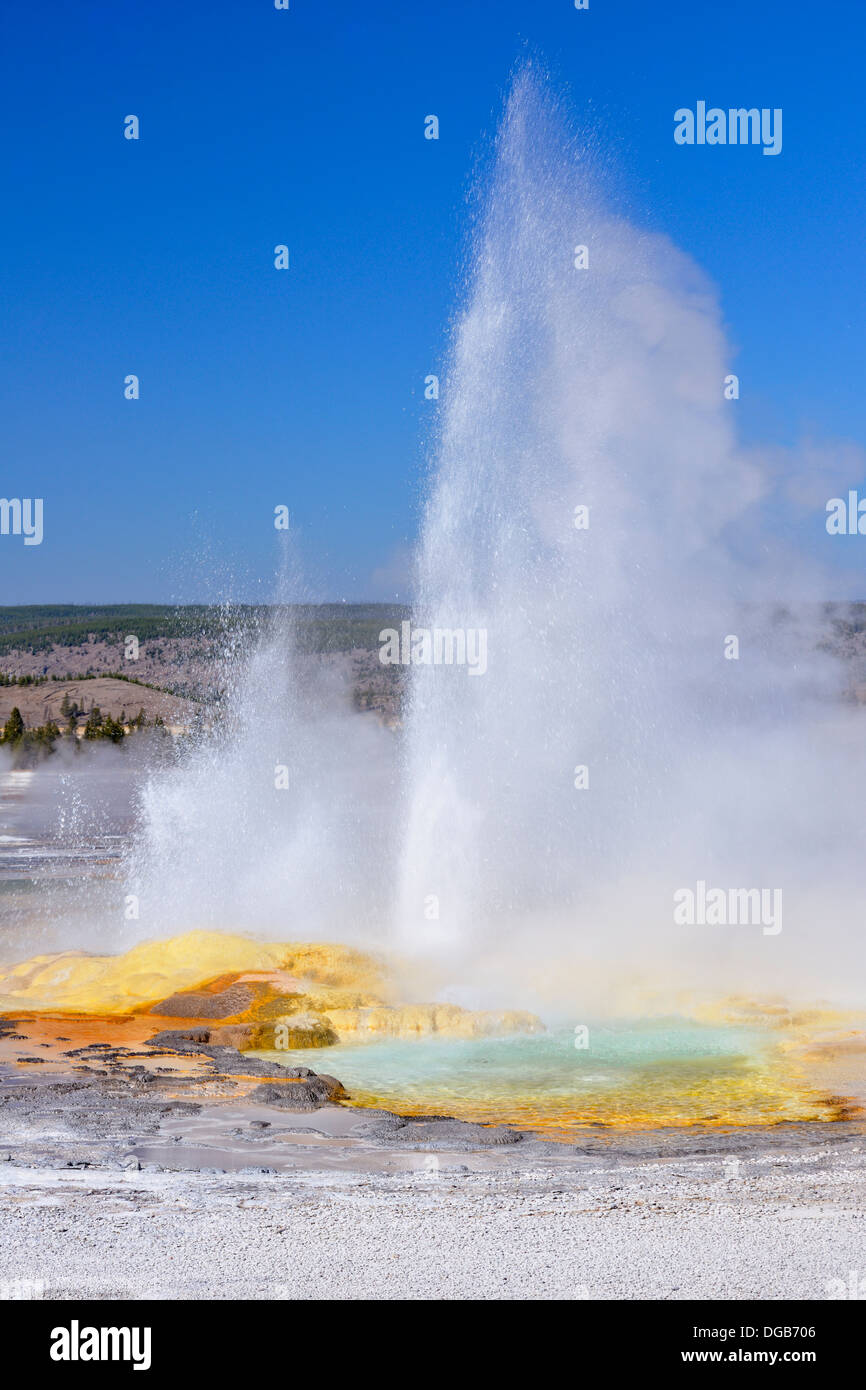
29 744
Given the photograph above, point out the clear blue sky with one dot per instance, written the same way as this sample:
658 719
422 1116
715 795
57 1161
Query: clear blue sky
261 126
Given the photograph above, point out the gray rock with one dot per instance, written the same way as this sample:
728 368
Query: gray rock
305 1093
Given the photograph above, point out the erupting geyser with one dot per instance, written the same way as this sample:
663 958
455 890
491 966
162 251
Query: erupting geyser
591 510
653 712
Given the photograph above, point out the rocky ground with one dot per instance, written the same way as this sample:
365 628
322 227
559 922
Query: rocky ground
167 1169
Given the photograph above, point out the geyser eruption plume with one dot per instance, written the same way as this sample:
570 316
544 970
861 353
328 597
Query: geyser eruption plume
593 379
591 511
278 821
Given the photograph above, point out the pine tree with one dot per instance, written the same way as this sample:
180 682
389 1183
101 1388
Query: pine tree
112 729
93 727
13 730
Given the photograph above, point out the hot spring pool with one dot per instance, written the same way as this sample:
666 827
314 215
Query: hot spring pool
652 1073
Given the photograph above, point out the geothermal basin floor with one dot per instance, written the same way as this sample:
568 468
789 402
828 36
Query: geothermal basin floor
179 1183
783 1228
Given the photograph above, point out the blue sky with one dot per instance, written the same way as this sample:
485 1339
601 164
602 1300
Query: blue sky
305 127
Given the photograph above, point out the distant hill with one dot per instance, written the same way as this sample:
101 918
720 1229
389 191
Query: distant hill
182 653
45 649
327 627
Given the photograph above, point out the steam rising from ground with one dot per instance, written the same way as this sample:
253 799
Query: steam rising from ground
463 840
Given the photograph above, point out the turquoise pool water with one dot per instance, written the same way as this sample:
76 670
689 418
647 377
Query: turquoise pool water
654 1072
